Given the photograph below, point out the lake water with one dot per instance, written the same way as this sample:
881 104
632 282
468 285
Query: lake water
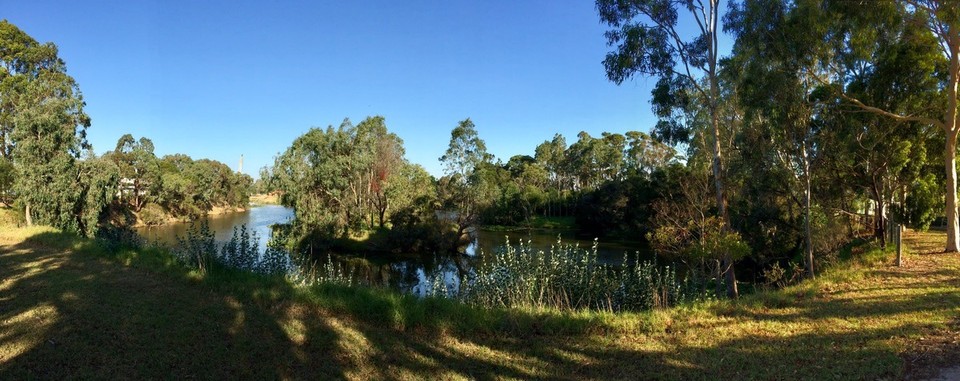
413 272
256 219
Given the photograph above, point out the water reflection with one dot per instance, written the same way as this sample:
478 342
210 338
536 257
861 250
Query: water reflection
256 219
415 273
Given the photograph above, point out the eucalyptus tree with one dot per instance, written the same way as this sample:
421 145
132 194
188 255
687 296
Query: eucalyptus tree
464 188
465 152
382 153
337 179
42 127
139 169
97 178
649 41
315 175
863 35
644 155
581 161
550 156
776 57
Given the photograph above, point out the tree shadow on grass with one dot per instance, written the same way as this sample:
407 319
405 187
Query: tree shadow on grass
70 314
65 313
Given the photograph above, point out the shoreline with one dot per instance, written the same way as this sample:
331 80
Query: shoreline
215 211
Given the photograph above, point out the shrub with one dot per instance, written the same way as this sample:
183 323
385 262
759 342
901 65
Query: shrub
197 249
569 278
152 215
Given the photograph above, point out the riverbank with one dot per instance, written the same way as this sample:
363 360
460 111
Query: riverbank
73 307
265 199
158 217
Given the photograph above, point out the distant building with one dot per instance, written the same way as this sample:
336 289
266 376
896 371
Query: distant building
127 187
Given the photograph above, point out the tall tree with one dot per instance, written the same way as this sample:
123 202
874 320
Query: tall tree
550 155
42 127
644 155
859 46
465 152
463 188
775 56
139 169
386 160
337 179
649 42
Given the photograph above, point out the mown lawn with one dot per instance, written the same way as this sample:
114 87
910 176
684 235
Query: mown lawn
70 308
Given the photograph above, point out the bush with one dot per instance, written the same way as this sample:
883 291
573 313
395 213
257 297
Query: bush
152 215
569 278
197 249
116 237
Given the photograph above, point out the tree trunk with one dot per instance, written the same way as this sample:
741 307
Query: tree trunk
899 236
26 214
950 163
727 265
711 21
136 195
808 249
950 154
879 220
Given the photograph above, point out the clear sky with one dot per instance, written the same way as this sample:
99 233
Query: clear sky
220 79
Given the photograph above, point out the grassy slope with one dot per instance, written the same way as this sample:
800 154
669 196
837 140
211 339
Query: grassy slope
68 309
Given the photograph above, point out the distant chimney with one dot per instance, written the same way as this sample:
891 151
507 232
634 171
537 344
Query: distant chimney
241 164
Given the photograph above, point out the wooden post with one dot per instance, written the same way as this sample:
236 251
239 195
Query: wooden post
899 234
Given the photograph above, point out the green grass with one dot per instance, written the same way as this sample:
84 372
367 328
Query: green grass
70 307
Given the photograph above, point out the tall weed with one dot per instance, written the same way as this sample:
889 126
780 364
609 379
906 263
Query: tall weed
571 278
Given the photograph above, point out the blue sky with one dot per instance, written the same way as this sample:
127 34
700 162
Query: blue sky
221 79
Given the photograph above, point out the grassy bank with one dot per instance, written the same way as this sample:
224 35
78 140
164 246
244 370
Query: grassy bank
264 199
73 307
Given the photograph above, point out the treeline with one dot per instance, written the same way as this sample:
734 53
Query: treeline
349 181
48 169
829 116
174 186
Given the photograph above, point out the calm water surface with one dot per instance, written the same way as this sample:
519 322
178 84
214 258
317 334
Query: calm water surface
415 272
256 219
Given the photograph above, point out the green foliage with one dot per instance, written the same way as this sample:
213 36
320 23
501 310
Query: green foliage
569 278
345 179
139 170
6 181
152 215
466 151
42 128
96 186
923 202
197 249
707 239
191 188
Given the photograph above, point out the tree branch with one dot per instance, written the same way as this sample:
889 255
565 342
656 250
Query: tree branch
888 114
